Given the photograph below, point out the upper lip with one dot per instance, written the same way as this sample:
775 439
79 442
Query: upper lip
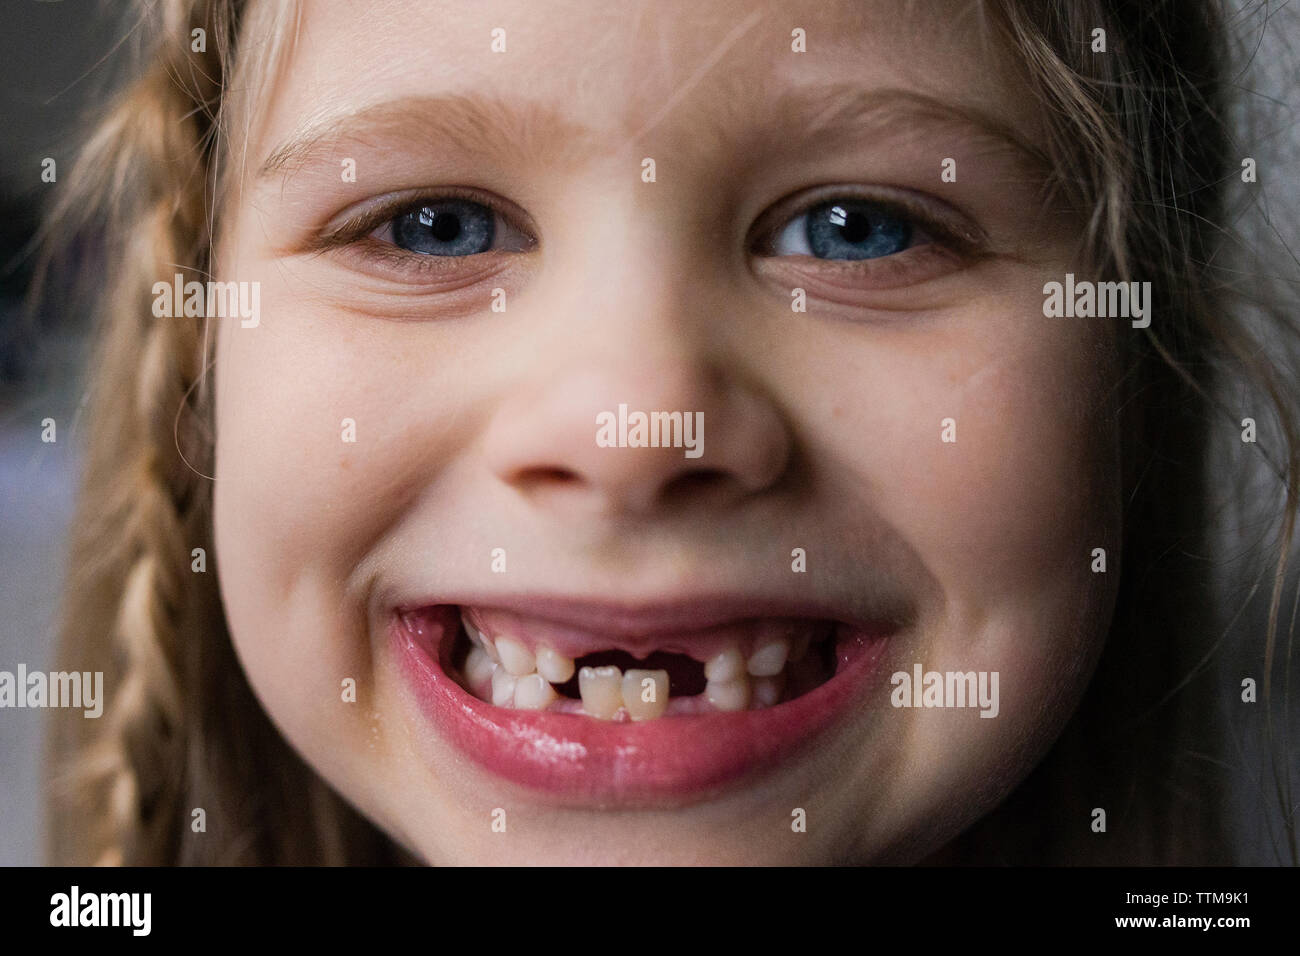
648 619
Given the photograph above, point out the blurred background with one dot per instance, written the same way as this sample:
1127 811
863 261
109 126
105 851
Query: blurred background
55 58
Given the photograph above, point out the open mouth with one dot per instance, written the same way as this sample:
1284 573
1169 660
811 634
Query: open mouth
632 708
745 666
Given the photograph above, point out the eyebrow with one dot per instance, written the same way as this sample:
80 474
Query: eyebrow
807 114
473 124
489 126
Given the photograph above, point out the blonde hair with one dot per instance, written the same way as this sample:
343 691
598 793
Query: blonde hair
183 731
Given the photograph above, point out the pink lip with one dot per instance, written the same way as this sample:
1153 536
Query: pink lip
576 760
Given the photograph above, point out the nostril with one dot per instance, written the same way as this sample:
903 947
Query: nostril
547 475
696 482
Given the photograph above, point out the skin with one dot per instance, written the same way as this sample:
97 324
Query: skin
823 429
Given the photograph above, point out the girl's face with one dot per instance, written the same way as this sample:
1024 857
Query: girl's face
487 236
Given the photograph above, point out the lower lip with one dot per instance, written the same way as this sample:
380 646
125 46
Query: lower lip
576 759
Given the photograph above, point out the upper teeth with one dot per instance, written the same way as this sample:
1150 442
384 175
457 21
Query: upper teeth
515 658
768 658
553 665
478 666
480 639
726 666
523 678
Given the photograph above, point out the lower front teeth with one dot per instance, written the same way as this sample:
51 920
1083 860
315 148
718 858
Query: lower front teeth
728 695
602 691
767 691
645 693
534 692
503 687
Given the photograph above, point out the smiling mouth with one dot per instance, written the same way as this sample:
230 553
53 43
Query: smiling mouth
600 705
509 661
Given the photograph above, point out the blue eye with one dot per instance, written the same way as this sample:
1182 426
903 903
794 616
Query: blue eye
445 227
845 229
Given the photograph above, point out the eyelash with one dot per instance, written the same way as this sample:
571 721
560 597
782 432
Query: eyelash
356 232
952 234
952 231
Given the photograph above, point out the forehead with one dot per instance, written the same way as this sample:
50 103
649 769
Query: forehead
653 72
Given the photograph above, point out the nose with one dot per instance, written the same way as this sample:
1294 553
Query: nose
581 440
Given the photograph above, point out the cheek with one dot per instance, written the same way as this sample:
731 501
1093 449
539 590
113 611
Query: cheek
1027 486
323 422
1007 514
1005 519
313 454
992 448
1033 489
